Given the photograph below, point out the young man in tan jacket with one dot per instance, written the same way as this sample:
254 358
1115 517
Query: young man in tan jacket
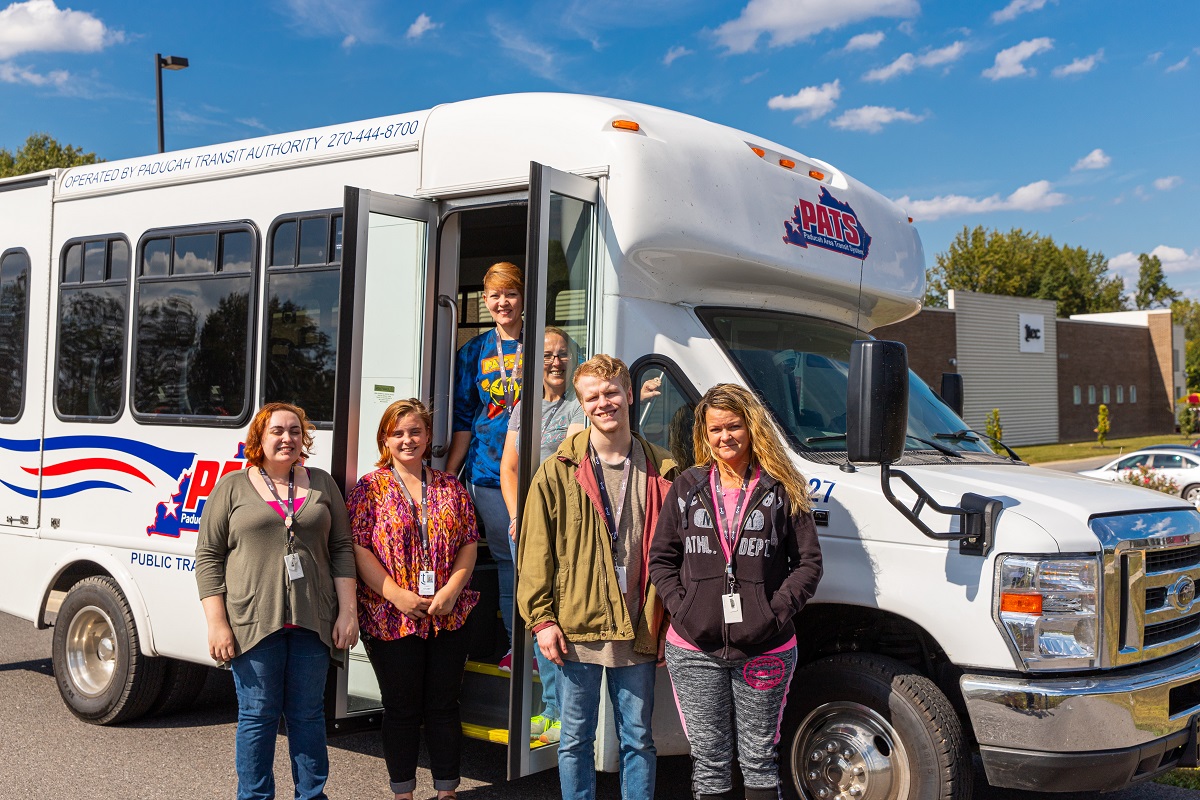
584 586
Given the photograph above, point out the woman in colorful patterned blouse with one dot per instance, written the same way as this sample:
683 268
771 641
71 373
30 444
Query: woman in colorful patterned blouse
414 543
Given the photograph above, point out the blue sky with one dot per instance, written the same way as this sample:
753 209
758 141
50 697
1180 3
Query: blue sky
1080 120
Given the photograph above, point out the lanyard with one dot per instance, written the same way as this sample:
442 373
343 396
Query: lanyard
611 521
732 533
509 383
424 512
290 508
548 415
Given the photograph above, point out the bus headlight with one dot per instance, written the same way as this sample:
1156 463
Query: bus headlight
1047 607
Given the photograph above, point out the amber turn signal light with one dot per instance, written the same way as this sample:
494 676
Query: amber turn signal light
1021 603
626 125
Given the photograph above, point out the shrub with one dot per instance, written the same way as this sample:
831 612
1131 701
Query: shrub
1102 425
1187 420
994 429
1141 475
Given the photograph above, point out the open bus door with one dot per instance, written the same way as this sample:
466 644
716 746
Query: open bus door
560 277
385 339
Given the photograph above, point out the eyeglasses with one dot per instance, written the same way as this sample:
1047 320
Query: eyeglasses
560 356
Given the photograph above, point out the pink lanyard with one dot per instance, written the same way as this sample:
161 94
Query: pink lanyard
730 539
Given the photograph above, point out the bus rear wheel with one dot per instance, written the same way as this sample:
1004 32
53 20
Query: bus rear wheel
101 672
863 727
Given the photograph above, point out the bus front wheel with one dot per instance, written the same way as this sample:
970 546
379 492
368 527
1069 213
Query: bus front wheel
101 672
871 728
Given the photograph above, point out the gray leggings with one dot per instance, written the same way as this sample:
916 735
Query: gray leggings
717 698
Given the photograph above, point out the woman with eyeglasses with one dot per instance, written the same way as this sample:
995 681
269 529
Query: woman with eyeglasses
562 416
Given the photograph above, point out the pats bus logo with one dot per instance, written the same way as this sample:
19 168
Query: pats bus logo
828 223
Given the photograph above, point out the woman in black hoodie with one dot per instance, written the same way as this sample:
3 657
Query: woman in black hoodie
733 573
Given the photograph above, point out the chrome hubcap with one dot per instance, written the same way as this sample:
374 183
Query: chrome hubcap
91 651
846 751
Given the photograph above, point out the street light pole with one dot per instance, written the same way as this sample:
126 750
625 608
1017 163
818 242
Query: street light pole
160 63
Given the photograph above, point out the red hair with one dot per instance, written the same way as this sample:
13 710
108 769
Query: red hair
258 426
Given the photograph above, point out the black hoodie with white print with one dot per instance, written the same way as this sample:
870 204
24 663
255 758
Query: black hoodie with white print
777 566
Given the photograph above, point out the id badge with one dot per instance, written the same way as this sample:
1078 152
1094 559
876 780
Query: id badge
294 570
426 583
731 605
622 580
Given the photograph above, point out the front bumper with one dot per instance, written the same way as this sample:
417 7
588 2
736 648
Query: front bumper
1086 733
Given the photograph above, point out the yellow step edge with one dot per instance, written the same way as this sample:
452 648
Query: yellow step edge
494 735
483 668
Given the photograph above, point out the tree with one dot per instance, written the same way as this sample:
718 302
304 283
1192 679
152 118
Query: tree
1022 264
1187 313
1152 288
1102 424
40 152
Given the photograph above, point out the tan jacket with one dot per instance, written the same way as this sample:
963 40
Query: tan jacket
565 572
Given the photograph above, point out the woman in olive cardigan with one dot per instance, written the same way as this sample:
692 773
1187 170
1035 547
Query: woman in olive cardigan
275 569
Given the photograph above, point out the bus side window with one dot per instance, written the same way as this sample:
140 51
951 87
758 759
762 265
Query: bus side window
665 418
14 318
302 287
93 300
193 323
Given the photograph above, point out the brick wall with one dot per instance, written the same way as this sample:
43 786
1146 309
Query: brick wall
931 341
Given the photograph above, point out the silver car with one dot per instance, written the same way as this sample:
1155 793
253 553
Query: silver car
1181 465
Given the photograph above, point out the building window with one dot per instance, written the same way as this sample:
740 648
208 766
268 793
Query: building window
303 284
1078 392
93 304
1132 393
1104 394
1120 393
14 322
1091 395
194 322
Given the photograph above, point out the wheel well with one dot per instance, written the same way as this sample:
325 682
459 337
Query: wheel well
825 629
70 575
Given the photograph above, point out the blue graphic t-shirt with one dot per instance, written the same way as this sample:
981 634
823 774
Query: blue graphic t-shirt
480 404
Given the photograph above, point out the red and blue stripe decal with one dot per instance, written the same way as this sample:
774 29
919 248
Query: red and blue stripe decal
102 459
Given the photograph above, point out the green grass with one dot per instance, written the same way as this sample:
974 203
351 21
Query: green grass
1041 453
1183 778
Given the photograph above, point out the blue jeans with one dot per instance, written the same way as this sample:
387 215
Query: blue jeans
631 690
284 674
491 515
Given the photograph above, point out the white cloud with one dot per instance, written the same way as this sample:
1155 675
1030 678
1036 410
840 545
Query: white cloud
349 41
350 22
1174 260
1097 159
1036 196
676 53
1010 63
872 118
11 73
1080 65
907 62
754 77
903 65
814 101
1016 8
1154 57
537 58
1178 65
864 41
789 21
40 26
1168 183
421 26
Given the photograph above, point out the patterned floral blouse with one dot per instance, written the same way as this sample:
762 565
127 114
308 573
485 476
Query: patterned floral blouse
383 522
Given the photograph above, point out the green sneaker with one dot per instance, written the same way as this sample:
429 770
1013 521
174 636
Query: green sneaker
552 733
538 725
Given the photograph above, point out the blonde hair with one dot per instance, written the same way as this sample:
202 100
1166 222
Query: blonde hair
504 275
766 448
387 424
606 368
253 450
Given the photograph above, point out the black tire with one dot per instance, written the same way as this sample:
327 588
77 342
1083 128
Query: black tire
875 724
101 672
1191 493
181 685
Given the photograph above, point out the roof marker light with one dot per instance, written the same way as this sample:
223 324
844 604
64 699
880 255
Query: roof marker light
626 125
816 175
787 163
758 151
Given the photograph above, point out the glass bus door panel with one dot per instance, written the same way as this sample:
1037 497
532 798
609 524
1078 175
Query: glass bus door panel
559 289
384 345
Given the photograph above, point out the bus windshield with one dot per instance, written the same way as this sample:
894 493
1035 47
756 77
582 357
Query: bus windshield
799 366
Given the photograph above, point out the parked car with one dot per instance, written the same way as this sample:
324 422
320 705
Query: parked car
1178 462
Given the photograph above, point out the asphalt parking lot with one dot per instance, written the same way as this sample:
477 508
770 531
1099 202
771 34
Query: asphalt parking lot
48 753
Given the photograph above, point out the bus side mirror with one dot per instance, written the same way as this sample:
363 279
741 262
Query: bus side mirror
877 402
952 392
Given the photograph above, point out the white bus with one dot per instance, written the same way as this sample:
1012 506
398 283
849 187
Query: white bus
148 306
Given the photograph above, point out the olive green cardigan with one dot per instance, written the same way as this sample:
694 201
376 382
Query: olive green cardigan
240 550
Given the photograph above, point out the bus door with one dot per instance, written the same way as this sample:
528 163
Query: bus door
560 283
387 319
25 265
